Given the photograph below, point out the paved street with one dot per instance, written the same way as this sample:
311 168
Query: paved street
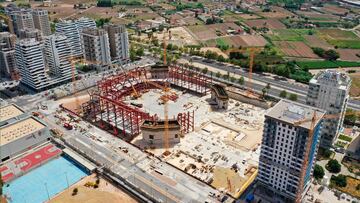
281 84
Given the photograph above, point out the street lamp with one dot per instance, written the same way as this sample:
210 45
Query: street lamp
47 191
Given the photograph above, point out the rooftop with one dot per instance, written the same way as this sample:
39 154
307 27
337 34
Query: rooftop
333 76
19 129
9 111
291 112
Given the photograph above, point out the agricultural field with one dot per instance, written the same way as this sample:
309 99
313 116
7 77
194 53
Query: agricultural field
276 12
334 9
340 38
326 64
316 41
288 34
318 17
206 32
296 49
249 16
349 54
355 84
268 23
239 41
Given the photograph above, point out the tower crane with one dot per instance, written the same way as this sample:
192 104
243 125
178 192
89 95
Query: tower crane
313 120
252 51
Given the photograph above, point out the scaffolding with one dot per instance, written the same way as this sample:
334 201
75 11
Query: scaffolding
108 110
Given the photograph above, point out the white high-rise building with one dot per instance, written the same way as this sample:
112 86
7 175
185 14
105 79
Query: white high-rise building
119 43
96 46
329 90
72 30
41 21
7 55
22 20
58 55
283 148
30 62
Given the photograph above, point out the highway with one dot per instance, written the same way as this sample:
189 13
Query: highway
277 84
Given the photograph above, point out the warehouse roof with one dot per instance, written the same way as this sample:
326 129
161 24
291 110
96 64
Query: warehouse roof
9 111
12 132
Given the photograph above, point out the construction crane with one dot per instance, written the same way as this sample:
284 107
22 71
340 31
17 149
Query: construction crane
8 22
252 51
313 120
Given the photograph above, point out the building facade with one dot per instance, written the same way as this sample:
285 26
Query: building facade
329 90
30 62
96 46
119 43
22 20
57 54
30 33
41 21
153 132
72 30
283 148
7 55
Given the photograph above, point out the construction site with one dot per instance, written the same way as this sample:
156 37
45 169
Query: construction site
183 117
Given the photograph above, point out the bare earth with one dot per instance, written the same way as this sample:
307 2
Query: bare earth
105 193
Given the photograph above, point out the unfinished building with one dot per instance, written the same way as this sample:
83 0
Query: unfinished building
153 132
109 106
219 96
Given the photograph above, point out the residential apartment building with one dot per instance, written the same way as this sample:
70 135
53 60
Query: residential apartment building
41 21
28 33
119 43
329 90
22 19
7 55
30 62
57 54
72 30
96 46
283 149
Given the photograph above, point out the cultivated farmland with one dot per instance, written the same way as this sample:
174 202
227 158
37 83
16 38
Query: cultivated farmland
315 41
206 32
296 49
239 41
276 12
268 23
340 38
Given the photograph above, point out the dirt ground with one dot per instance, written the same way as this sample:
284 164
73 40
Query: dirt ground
276 12
269 23
248 16
180 37
349 54
71 103
206 32
355 85
105 193
315 41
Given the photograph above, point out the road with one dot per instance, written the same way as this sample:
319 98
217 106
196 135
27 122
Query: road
277 85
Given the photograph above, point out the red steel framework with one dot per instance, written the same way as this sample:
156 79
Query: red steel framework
107 109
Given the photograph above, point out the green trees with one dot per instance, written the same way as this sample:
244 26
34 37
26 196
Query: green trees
241 80
293 97
283 94
333 166
350 117
75 191
102 21
330 54
339 180
319 172
218 74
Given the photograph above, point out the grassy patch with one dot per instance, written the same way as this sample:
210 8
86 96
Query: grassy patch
340 144
350 188
340 38
221 42
326 64
347 44
287 35
345 138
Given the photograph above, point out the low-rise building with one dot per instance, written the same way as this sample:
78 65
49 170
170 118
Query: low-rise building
219 96
19 131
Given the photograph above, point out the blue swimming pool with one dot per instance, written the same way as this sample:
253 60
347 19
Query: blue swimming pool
44 182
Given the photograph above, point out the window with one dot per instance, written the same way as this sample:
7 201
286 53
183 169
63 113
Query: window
176 135
151 137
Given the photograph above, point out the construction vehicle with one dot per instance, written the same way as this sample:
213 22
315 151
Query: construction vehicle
252 51
68 126
313 120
